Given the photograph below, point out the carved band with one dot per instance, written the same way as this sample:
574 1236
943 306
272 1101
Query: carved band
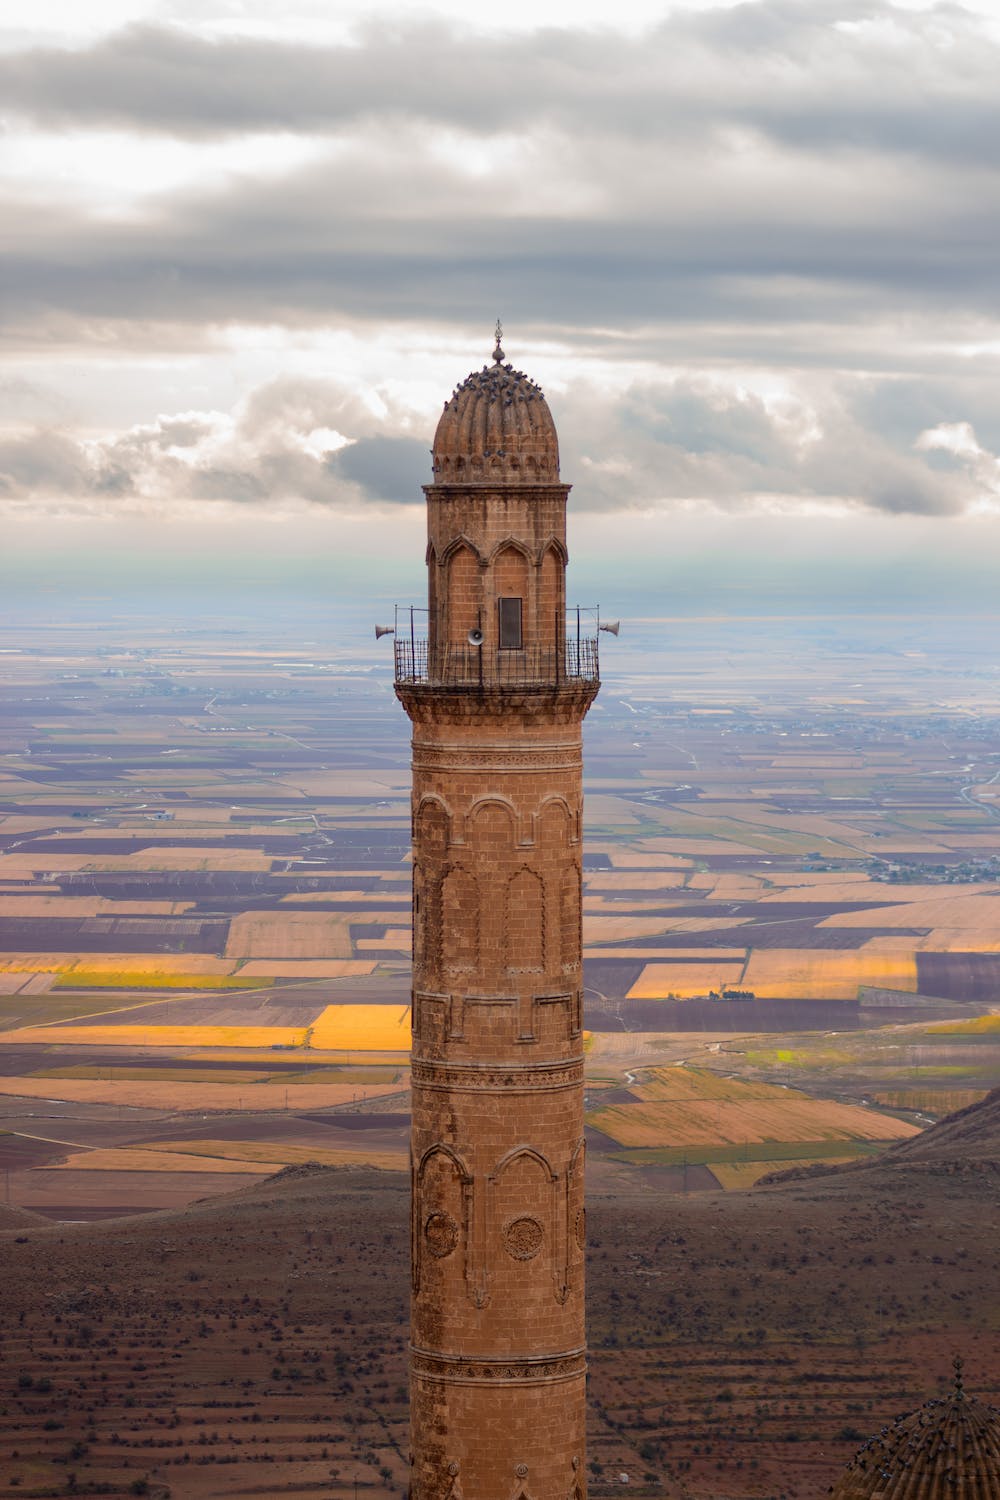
457 1370
428 1074
498 747
515 765
430 755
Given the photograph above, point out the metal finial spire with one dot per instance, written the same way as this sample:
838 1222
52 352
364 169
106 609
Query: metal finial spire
498 354
957 1365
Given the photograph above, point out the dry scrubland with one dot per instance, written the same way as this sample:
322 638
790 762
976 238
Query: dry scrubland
742 1344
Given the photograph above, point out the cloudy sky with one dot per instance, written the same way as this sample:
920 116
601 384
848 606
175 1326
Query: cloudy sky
750 251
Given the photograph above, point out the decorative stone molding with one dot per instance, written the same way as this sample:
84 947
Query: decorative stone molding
471 1078
459 1371
441 1234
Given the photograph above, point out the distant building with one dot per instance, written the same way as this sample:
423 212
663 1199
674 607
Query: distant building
948 1450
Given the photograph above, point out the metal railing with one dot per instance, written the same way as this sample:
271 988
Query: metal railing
475 666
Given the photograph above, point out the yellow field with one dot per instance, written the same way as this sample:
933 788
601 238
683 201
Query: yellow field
975 1027
809 761
141 1159
804 880
191 857
395 939
975 910
836 974
309 968
728 887
605 810
188 857
943 940
125 1073
137 1035
348 784
615 1049
116 964
707 955
601 929
842 890
736 1176
380 1061
305 897
22 866
791 1117
695 847
124 979
369 1027
625 859
931 1101
662 878
658 980
678 1085
701 924
596 904
289 934
93 906
892 845
23 823
210 1098
238 1153
761 817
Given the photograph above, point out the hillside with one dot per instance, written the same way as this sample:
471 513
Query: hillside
969 1138
966 1142
19 1218
742 1343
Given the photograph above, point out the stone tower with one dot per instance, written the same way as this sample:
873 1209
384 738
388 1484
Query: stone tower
497 690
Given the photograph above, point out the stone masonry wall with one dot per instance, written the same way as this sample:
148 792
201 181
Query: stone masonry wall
498 1373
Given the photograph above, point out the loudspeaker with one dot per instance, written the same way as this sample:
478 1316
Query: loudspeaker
381 630
476 637
612 627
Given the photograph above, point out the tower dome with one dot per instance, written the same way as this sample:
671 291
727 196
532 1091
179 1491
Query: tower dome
948 1450
496 427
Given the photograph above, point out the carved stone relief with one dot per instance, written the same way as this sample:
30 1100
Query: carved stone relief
441 1234
523 1237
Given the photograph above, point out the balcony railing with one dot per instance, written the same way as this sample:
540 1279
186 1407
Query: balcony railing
477 666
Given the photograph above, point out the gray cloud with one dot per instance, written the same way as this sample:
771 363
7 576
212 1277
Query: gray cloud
385 468
702 442
854 73
803 186
659 444
41 460
780 176
415 243
271 451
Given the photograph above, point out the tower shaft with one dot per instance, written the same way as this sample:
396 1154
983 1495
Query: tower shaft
497 697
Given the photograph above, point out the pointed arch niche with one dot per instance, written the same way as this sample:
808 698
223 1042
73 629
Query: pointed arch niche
523 1216
551 600
441 1206
460 918
511 580
524 922
463 593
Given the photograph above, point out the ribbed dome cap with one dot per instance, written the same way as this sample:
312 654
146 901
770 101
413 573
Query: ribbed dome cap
948 1450
496 427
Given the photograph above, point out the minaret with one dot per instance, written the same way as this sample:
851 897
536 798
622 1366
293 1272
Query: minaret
497 691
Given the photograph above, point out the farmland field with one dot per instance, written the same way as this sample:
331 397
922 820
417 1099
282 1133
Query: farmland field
684 1107
791 881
